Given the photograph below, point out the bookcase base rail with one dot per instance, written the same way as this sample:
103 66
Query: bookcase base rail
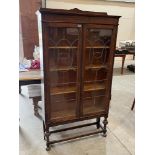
100 128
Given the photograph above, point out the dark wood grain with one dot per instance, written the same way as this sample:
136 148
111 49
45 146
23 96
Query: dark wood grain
78 57
74 11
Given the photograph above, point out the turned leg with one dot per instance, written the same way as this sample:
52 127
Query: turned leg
35 103
105 122
47 134
44 129
98 122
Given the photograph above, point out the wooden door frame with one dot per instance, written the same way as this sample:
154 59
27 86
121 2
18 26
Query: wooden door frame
45 27
98 26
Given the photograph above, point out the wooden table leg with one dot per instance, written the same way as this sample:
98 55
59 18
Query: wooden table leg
20 90
133 105
123 60
35 103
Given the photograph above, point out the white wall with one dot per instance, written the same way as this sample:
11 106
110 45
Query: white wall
126 30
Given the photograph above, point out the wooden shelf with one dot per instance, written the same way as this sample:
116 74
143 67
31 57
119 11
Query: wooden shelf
94 86
63 113
74 68
97 47
71 47
63 68
96 66
62 47
63 90
92 109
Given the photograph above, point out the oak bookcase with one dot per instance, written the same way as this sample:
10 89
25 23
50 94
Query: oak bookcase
77 55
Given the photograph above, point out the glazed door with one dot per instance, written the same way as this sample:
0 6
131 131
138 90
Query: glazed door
63 70
95 68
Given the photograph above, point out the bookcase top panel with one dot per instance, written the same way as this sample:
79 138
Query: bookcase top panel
75 11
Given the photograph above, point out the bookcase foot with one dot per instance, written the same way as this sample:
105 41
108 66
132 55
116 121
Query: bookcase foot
46 137
105 122
104 134
48 148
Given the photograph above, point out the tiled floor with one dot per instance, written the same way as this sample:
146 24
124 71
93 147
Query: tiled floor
120 136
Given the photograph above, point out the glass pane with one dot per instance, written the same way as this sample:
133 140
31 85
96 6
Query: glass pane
97 52
63 48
